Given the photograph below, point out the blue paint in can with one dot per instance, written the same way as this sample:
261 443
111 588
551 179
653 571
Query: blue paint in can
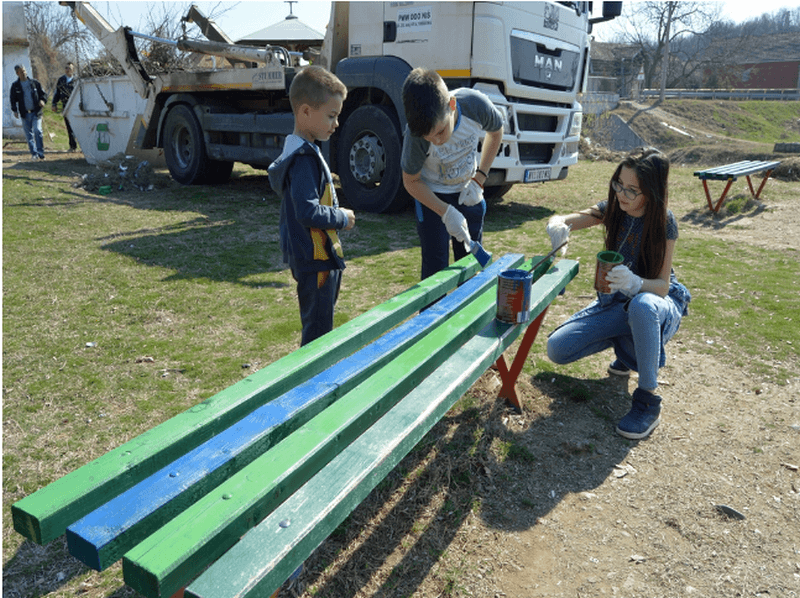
514 296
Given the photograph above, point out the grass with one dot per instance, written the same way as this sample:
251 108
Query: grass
121 311
750 120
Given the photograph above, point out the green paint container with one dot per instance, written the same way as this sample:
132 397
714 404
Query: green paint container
606 261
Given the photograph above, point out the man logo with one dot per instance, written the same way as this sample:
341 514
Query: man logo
548 63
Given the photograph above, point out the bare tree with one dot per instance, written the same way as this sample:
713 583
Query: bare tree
54 39
676 39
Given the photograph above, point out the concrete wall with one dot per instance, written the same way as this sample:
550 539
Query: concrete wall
15 51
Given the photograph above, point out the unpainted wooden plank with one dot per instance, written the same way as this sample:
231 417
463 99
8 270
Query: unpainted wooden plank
259 563
45 514
100 538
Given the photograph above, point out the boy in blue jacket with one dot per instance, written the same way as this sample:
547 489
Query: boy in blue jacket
310 213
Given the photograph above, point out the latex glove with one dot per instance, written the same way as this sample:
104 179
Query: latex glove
559 232
471 195
622 279
456 224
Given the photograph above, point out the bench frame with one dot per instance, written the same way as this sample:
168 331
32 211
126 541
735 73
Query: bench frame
731 172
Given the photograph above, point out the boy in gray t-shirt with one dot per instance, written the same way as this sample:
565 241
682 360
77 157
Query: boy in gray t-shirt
440 166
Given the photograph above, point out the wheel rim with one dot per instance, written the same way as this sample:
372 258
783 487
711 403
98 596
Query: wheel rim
367 159
181 144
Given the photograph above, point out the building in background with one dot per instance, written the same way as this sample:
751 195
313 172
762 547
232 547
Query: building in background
15 51
290 33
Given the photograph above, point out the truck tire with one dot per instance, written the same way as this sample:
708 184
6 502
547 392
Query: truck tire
496 192
185 150
368 158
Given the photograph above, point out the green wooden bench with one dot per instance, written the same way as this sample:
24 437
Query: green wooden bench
322 426
731 172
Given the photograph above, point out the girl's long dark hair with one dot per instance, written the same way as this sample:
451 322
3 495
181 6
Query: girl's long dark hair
652 170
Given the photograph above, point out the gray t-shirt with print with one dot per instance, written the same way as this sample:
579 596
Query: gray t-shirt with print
448 167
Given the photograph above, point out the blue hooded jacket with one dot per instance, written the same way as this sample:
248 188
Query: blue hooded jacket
310 214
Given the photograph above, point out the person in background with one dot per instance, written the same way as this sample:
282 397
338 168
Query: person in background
27 100
310 213
646 303
64 87
441 169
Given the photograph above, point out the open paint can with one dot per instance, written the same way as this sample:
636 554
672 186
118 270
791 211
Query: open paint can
514 296
606 261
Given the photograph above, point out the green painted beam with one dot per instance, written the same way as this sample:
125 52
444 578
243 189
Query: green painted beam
45 514
260 562
174 554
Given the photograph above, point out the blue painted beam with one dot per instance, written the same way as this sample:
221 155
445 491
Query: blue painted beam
100 538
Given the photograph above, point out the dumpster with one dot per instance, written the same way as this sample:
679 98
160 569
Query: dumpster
105 114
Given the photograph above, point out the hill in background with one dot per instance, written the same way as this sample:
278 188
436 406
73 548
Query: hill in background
703 132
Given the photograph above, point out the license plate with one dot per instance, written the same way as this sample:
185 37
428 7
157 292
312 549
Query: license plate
537 174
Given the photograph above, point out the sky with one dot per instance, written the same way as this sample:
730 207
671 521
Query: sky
239 19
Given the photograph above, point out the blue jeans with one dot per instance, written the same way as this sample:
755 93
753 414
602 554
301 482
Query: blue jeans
32 125
637 330
434 239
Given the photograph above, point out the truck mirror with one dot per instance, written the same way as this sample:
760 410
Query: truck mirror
612 10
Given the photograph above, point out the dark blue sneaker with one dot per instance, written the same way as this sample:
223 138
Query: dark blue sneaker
643 416
618 368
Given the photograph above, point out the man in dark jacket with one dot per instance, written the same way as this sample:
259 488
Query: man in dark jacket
27 101
64 87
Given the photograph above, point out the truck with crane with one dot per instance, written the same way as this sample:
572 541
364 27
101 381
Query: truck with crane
529 58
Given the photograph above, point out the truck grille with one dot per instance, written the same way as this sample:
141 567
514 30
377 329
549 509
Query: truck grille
537 122
536 153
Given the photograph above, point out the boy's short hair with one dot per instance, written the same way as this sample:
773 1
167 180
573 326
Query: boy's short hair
425 100
314 86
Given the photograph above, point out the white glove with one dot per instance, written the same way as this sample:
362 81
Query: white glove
559 232
622 279
456 224
471 195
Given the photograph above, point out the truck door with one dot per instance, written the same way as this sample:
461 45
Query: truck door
434 35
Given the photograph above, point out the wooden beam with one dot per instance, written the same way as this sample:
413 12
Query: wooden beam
100 538
45 514
259 563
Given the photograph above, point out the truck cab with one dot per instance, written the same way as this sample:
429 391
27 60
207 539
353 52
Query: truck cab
529 58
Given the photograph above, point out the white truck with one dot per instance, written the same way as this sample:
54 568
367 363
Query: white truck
530 58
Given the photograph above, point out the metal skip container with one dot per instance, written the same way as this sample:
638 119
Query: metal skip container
106 116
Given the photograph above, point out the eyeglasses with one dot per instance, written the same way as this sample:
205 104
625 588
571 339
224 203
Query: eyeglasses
629 193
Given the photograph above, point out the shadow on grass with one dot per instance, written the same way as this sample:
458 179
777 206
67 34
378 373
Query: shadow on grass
732 211
232 232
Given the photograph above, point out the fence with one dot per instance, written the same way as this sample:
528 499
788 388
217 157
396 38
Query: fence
725 94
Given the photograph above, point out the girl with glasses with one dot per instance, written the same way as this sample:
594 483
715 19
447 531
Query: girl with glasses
646 303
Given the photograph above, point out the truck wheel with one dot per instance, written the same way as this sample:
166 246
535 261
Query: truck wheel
184 147
368 157
496 192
